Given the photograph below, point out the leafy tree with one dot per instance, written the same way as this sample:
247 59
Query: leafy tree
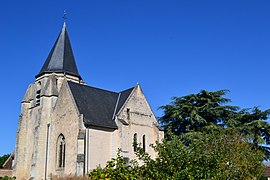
208 111
219 155
3 159
224 154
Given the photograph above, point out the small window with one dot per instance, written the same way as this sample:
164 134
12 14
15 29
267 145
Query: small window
144 143
38 93
61 151
135 142
128 113
38 98
126 161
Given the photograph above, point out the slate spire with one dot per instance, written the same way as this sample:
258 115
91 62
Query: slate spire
61 58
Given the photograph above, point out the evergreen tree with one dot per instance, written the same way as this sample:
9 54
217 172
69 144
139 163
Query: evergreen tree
209 111
196 112
3 159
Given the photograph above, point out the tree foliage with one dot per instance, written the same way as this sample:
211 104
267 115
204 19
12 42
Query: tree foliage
221 155
3 159
8 178
116 168
197 111
209 111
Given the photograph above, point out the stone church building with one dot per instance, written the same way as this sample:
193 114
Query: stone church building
67 128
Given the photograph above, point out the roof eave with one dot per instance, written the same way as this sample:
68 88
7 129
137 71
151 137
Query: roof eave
57 71
94 125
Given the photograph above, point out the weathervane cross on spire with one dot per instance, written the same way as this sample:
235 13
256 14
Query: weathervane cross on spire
65 15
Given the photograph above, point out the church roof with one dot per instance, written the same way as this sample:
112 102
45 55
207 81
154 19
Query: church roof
98 106
61 58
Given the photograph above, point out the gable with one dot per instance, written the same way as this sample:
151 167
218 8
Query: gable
64 102
138 110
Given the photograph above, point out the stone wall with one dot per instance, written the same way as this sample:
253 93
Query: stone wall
99 147
65 120
138 119
5 172
34 125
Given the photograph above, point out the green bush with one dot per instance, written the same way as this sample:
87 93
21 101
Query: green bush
220 155
8 178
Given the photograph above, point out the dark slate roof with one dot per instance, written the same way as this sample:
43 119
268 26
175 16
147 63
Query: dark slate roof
61 58
98 105
123 97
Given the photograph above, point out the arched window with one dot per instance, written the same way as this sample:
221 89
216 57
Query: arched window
144 143
61 151
135 142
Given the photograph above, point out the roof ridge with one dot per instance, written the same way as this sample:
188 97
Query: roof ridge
127 89
93 87
65 39
116 105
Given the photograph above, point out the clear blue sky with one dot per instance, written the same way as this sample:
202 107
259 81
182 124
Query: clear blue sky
171 47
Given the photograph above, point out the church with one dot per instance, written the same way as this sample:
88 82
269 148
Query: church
67 128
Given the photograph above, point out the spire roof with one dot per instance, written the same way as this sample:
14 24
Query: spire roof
61 58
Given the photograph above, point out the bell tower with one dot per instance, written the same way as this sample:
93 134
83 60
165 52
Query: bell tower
33 135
